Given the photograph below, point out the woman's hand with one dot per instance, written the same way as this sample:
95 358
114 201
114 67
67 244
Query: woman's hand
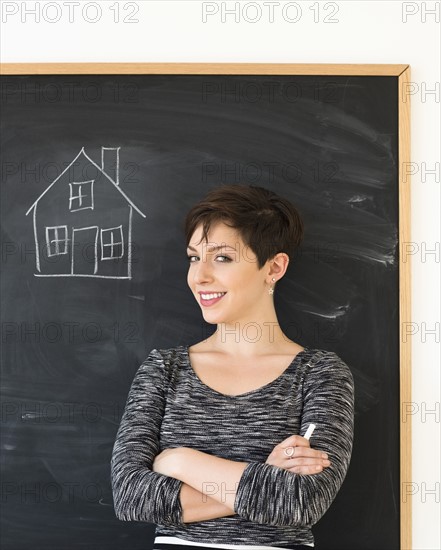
295 454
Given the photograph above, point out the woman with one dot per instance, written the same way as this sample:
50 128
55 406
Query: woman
210 445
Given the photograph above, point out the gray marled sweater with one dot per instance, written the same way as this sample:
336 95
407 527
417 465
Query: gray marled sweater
169 406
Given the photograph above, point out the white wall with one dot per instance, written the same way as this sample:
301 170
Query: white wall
357 32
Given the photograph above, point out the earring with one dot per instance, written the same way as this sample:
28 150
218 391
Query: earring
271 290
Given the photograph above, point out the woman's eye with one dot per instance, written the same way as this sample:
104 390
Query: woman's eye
226 258
190 258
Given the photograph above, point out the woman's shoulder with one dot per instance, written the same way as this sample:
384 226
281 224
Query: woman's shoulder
326 364
167 356
322 354
160 364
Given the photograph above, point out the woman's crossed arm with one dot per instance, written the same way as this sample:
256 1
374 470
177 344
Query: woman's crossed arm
210 483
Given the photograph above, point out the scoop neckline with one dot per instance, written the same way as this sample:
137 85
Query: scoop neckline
263 388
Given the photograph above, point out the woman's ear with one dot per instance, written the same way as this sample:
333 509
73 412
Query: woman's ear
278 265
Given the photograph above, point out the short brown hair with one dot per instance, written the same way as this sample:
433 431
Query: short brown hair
267 223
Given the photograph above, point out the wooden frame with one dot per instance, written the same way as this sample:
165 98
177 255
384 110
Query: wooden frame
402 71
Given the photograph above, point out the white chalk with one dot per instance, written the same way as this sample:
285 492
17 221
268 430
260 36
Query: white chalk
309 431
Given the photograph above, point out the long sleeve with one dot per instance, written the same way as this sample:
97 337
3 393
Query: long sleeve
271 495
139 494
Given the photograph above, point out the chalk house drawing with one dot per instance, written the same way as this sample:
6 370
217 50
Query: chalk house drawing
83 221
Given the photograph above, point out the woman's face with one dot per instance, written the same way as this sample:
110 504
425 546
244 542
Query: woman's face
231 269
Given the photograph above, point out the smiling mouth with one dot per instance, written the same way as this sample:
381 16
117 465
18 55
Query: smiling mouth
210 299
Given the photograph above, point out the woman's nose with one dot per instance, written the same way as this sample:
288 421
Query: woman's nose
203 272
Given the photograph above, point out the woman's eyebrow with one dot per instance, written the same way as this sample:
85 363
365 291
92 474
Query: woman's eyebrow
213 248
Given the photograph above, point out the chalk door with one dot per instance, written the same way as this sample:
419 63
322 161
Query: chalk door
85 251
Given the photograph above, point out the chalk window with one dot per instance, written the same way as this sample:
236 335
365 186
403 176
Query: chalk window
112 243
56 240
81 195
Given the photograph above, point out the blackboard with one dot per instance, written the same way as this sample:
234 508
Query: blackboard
75 327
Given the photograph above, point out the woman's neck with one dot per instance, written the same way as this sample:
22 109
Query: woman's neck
250 339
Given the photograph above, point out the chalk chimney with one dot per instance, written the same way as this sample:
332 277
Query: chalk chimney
110 162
